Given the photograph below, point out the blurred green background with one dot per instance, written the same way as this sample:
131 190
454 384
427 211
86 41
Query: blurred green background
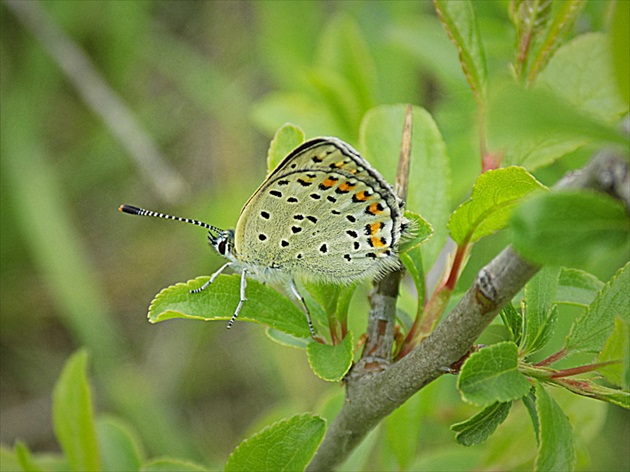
174 112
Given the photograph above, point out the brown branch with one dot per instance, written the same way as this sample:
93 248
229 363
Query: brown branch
373 395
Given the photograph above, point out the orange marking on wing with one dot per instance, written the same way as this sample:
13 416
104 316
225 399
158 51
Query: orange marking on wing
378 242
328 183
346 187
375 208
361 196
375 228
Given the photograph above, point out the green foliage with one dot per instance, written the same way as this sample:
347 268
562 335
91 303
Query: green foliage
286 445
219 300
287 138
73 416
477 429
548 228
556 450
345 70
493 198
591 330
331 363
491 375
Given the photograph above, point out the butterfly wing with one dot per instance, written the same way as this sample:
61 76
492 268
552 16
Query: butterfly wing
323 214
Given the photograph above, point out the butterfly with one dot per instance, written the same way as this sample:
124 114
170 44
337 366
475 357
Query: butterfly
324 214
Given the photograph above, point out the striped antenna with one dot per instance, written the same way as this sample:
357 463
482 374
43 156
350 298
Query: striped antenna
132 210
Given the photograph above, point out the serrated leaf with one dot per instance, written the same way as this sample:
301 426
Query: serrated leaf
540 313
617 397
328 362
513 321
493 198
581 73
556 450
460 21
284 446
286 139
477 429
429 172
590 331
172 465
564 16
72 412
219 300
119 447
617 348
419 232
491 375
576 287
548 228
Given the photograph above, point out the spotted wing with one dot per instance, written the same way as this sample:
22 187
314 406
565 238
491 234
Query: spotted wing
323 214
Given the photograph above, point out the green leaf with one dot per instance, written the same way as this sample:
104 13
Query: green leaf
493 198
491 375
328 362
477 429
513 321
286 139
540 313
582 74
429 173
286 445
547 229
564 16
590 331
120 448
419 232
344 50
287 340
412 260
621 48
460 21
72 413
537 127
556 450
577 287
9 459
219 300
25 458
172 465
529 401
617 348
616 397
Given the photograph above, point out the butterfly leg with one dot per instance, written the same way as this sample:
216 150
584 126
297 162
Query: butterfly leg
241 301
212 278
308 313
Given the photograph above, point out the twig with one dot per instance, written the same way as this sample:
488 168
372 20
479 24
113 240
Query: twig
372 397
377 352
102 100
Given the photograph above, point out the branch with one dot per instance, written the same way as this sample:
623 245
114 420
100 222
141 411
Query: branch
373 396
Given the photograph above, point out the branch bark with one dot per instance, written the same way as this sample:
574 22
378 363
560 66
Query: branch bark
372 396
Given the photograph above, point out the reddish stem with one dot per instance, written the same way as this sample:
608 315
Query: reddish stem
553 358
581 369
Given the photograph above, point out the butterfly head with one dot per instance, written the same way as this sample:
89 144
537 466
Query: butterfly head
223 242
